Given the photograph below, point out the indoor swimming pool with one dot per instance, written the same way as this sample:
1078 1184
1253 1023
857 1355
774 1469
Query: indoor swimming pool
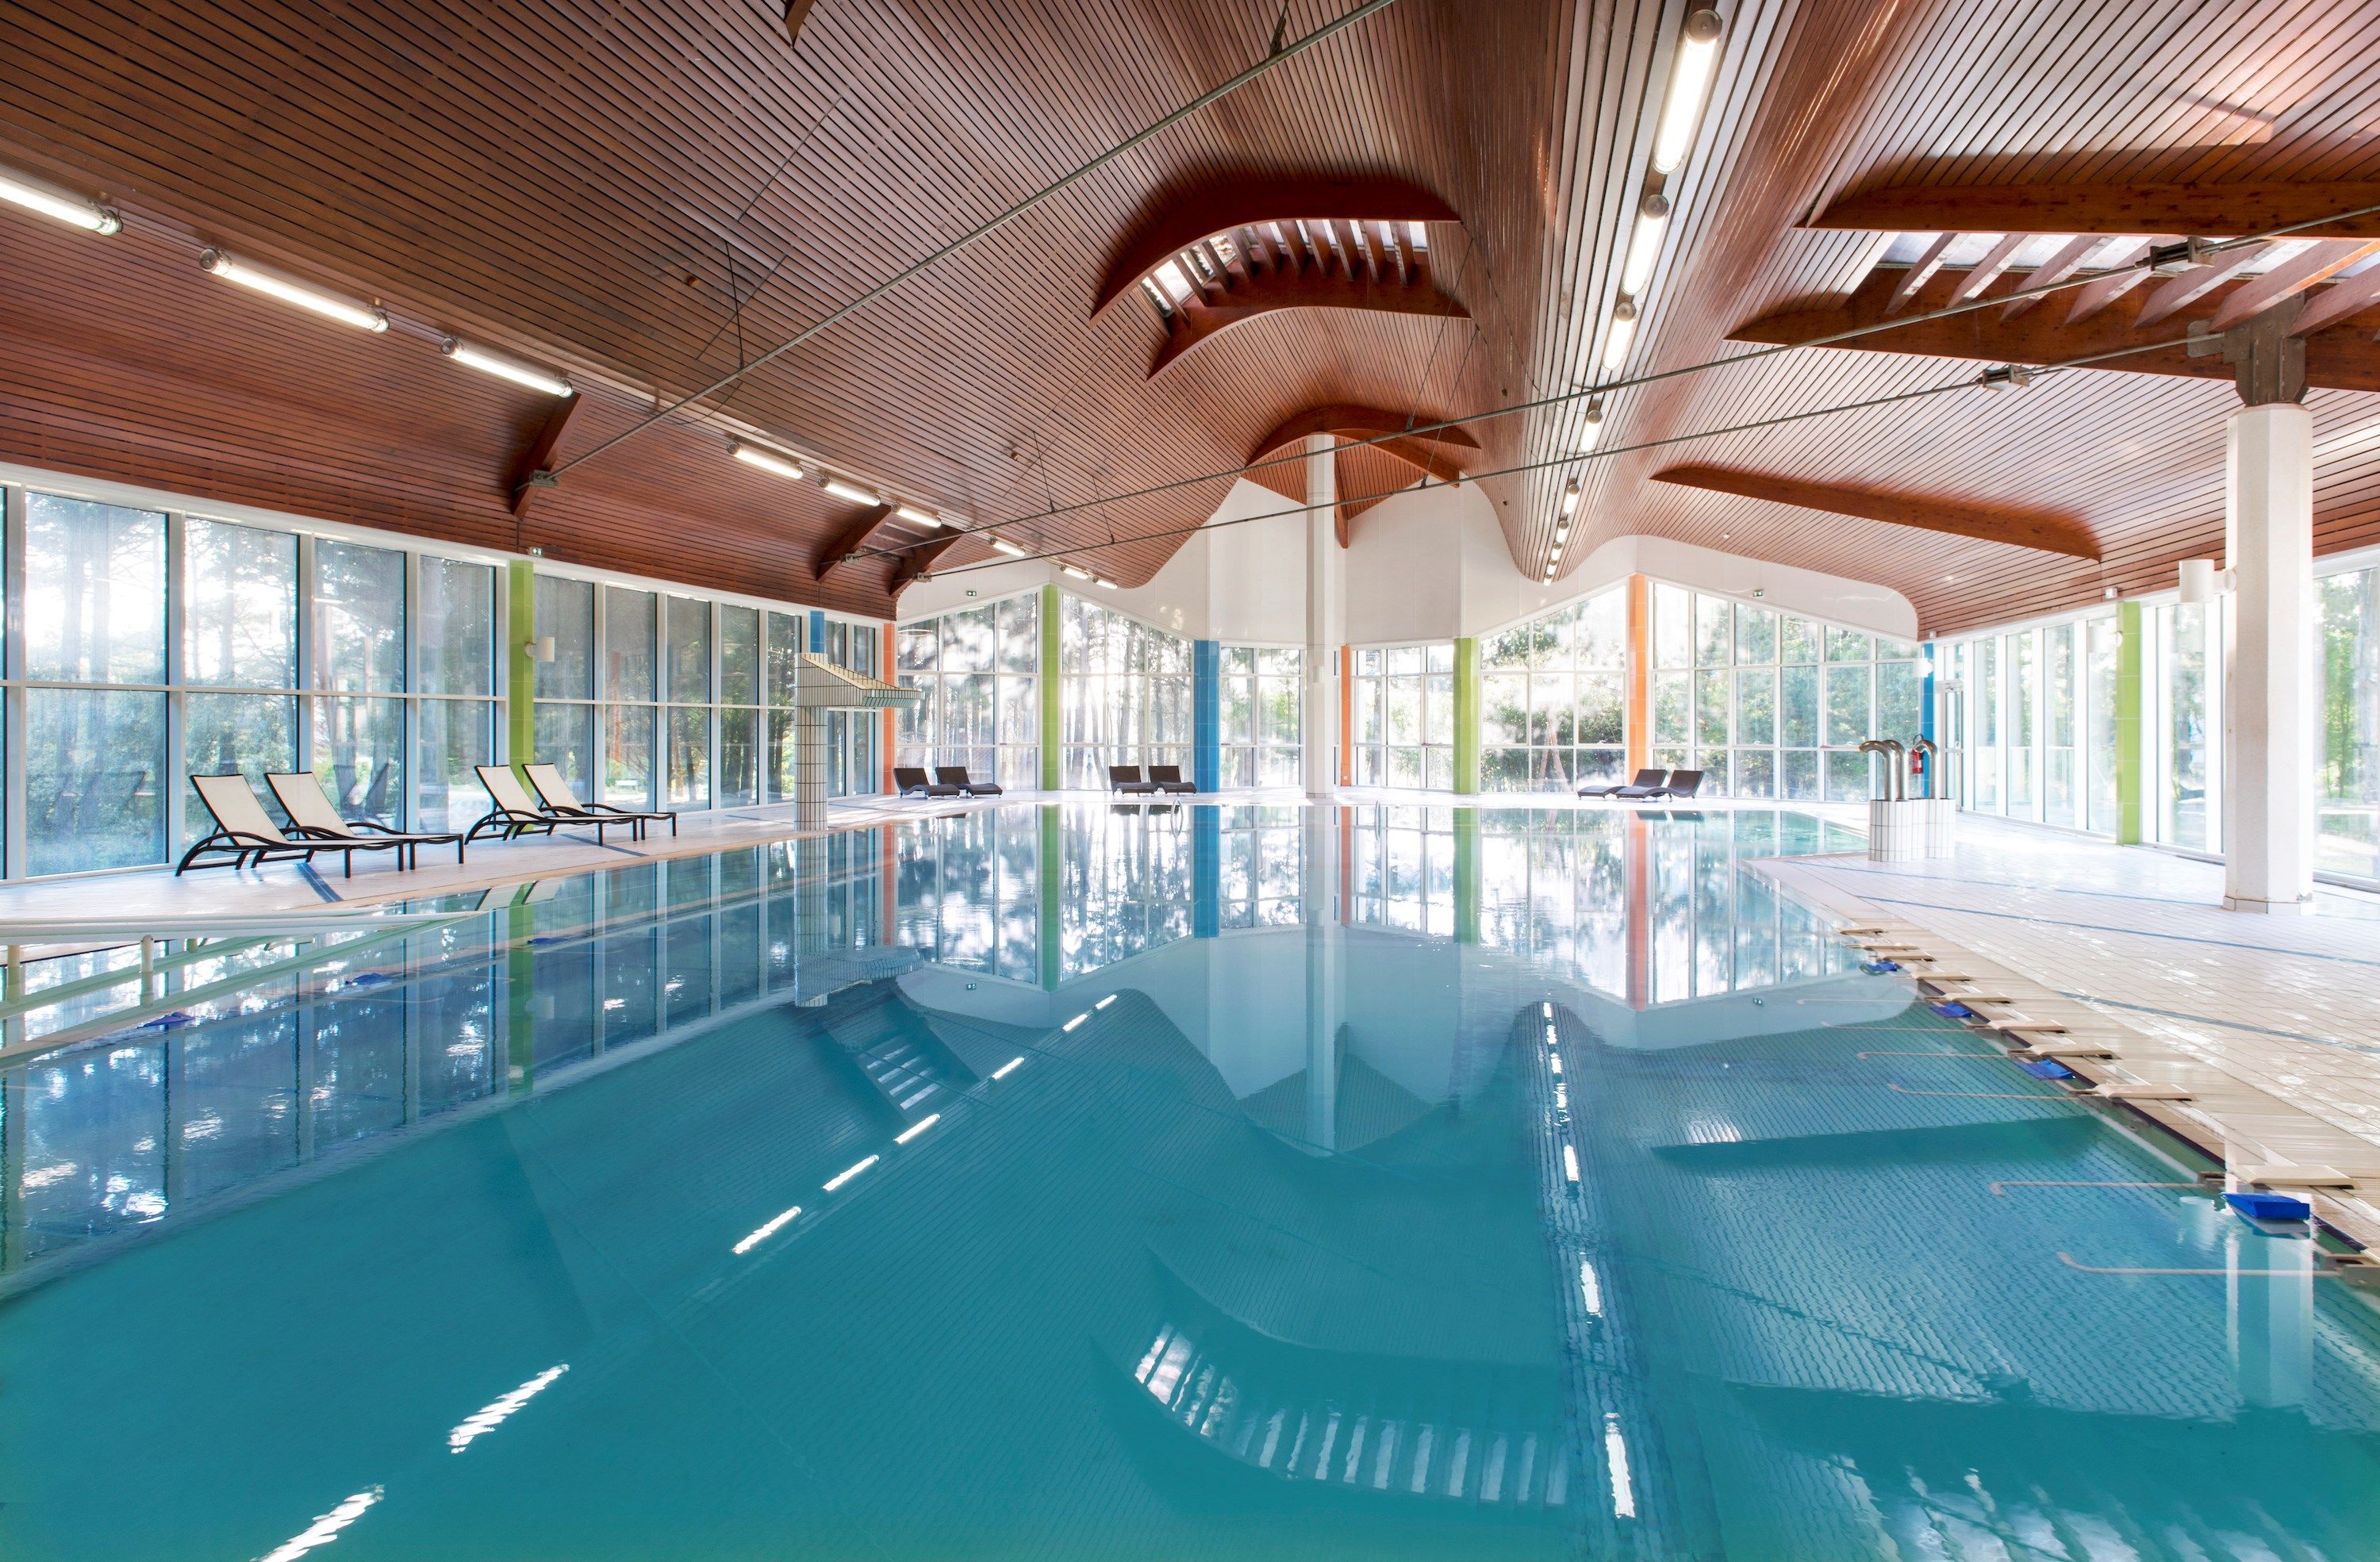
1095 1182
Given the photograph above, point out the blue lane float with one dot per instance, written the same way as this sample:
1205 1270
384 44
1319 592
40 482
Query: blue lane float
2047 1067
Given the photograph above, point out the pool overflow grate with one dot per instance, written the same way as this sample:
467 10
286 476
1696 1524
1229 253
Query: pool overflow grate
2042 1047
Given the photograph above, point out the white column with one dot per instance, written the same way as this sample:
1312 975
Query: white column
2269 689
1326 615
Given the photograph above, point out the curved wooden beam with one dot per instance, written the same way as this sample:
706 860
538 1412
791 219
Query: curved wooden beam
2212 211
2047 531
920 560
1200 320
1435 453
1248 203
2337 358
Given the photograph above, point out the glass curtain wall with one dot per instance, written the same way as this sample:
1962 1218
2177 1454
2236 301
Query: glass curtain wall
1554 697
2347 777
2031 721
160 645
1263 702
982 707
1769 704
633 669
152 645
1124 694
1403 707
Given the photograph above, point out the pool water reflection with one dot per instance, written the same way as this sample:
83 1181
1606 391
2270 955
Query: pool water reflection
1079 1182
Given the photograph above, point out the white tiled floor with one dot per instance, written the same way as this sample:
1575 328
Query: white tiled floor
2289 1005
295 887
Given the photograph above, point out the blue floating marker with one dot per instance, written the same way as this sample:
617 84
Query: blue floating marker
2047 1067
545 938
367 978
167 1021
1879 967
1952 1010
2269 1206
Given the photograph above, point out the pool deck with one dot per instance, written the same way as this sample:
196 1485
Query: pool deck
2271 1024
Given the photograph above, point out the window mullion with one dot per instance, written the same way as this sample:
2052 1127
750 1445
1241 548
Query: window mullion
176 763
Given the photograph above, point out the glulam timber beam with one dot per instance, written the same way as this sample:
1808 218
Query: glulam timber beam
2339 356
1434 452
1203 317
851 539
2210 211
918 561
2046 530
1253 203
532 469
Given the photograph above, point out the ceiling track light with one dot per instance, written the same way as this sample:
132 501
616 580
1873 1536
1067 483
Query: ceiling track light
1622 334
35 195
767 460
851 491
505 368
916 516
363 317
1690 75
1645 244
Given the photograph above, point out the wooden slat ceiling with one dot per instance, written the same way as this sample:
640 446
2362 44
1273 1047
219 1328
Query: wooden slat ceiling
649 193
646 194
1869 95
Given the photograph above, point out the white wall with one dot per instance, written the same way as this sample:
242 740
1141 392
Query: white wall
1428 564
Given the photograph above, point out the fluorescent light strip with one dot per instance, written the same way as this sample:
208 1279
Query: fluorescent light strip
1073 572
1645 244
1102 580
325 1530
849 1172
1621 335
1105 1001
918 1126
1689 77
841 490
1007 547
1075 1022
766 1230
505 368
1548 1009
916 516
1553 1062
767 460
51 202
1569 498
1590 1290
1561 1098
274 285
488 1417
1008 1068
1569 1163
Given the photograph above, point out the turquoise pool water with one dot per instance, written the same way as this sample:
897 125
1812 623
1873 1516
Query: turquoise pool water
1078 1182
